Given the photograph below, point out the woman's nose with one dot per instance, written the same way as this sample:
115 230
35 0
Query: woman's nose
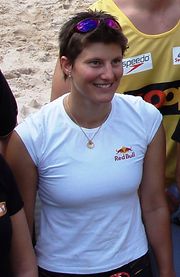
107 72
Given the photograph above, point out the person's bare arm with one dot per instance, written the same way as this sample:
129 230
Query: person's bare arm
154 206
3 144
25 173
60 86
23 258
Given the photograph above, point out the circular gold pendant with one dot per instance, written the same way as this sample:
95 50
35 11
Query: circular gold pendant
90 144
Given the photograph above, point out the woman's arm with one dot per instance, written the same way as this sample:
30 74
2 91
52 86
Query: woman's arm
22 254
3 144
154 206
25 173
60 86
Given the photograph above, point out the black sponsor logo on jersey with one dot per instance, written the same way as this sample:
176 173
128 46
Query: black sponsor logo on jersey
165 96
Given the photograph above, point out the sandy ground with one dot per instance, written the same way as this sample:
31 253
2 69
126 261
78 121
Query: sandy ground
29 46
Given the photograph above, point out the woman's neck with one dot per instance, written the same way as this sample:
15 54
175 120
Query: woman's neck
86 115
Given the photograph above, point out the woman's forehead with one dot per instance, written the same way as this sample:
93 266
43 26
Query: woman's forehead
99 49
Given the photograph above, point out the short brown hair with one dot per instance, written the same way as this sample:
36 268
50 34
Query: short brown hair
71 42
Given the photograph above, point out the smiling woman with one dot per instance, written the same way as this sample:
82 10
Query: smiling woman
98 165
95 76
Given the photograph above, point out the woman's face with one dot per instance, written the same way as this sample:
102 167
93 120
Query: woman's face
97 71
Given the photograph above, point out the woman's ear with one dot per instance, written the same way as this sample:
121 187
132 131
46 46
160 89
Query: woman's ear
66 66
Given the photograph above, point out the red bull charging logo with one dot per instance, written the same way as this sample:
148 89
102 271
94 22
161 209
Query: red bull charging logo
124 153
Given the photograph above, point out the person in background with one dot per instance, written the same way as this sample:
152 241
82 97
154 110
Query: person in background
16 252
151 64
97 164
176 137
8 113
176 191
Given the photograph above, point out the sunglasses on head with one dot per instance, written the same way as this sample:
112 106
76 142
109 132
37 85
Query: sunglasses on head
89 24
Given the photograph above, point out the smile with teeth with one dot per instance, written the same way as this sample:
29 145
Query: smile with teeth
103 85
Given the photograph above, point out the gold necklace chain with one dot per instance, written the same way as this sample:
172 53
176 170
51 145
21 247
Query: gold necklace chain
90 144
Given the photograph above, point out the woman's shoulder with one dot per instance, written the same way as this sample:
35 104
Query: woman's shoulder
133 100
130 100
136 105
52 106
47 112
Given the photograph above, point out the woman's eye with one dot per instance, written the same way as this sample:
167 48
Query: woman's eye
95 62
117 62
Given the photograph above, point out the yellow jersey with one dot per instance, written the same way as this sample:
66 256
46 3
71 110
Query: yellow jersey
152 70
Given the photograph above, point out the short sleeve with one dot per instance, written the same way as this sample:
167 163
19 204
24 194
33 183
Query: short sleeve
145 116
8 108
9 186
152 119
31 133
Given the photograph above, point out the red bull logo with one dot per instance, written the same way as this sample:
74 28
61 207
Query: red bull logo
124 153
123 149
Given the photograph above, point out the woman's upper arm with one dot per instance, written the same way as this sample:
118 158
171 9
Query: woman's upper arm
22 254
3 143
25 173
152 189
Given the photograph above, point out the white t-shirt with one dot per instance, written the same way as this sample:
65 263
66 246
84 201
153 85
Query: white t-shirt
90 218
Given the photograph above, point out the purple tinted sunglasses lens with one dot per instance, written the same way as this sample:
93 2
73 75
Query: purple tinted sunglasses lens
90 24
87 25
112 23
